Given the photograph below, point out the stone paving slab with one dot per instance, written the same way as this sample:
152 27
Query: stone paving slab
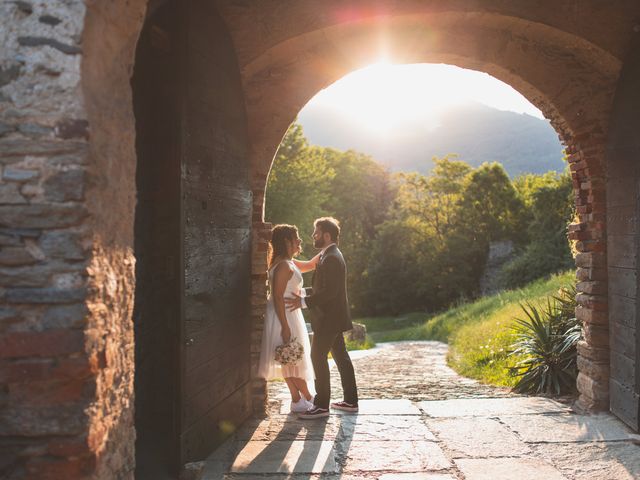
374 407
310 456
358 427
385 427
499 437
477 437
342 476
593 461
384 407
416 476
567 428
289 427
507 469
492 407
391 455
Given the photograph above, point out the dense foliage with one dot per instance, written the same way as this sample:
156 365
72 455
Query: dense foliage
420 242
548 202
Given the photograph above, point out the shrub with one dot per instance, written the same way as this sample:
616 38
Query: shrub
536 261
547 338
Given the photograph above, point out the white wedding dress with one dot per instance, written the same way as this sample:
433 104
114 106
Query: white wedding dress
271 336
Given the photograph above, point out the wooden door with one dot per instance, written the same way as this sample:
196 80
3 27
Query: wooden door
623 242
216 210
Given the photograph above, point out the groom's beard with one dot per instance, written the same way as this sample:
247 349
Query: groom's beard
319 243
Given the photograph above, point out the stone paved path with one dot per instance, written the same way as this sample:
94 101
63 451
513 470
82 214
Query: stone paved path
413 370
419 420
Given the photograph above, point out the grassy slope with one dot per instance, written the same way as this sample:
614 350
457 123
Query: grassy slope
479 333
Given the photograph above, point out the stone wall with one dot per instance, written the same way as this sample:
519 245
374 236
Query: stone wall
589 234
260 243
500 252
60 348
66 215
107 66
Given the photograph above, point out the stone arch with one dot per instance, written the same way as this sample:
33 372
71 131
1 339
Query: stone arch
548 66
554 68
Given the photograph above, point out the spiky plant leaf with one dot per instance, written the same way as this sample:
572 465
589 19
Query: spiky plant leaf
547 337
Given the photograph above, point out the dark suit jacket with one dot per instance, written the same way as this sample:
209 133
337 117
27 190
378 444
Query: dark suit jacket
327 297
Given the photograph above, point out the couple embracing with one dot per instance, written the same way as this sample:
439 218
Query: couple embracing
330 317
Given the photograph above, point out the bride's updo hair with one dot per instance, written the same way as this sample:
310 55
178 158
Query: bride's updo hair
277 245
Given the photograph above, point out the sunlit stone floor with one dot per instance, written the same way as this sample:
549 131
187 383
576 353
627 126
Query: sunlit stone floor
419 420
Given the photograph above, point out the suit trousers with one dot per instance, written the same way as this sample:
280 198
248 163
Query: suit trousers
323 342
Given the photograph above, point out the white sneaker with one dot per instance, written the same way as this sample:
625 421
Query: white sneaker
300 406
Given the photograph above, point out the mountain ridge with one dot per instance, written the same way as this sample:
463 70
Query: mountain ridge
475 132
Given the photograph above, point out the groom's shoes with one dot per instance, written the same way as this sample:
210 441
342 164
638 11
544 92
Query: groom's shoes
314 412
345 406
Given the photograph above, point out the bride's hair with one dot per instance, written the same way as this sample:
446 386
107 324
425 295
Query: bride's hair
277 245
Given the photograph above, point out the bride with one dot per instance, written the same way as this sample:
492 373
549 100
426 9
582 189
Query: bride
281 325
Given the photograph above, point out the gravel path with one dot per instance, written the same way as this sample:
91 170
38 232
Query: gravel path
414 370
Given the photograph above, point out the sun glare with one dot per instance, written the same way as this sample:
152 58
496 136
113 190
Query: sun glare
383 97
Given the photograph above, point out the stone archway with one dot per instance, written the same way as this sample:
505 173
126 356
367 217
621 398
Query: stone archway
556 67
67 137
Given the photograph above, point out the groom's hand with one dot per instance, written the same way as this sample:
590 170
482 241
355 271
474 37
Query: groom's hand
293 303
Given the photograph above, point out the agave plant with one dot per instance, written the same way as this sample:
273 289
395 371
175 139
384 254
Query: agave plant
547 339
566 302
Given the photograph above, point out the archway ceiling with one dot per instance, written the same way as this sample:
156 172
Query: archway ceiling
557 57
260 25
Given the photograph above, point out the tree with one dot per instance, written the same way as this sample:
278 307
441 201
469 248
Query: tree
299 184
433 199
360 196
490 204
401 274
548 209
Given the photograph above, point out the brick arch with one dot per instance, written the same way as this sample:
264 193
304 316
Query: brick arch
550 67
553 68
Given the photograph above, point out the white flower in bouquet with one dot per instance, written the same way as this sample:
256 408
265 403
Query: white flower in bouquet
289 353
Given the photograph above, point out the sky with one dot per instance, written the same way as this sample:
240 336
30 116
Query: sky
383 97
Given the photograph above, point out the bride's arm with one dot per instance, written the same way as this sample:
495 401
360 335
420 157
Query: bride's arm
281 277
307 266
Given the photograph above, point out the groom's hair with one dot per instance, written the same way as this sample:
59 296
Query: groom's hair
328 225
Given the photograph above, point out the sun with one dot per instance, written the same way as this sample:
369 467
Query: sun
383 98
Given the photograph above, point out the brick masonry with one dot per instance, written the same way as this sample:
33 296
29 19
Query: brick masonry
67 191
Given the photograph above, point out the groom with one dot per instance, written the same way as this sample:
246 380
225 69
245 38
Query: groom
329 307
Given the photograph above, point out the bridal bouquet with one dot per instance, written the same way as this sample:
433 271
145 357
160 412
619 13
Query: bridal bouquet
289 353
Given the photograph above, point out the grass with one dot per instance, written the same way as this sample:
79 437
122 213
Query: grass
366 345
479 333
